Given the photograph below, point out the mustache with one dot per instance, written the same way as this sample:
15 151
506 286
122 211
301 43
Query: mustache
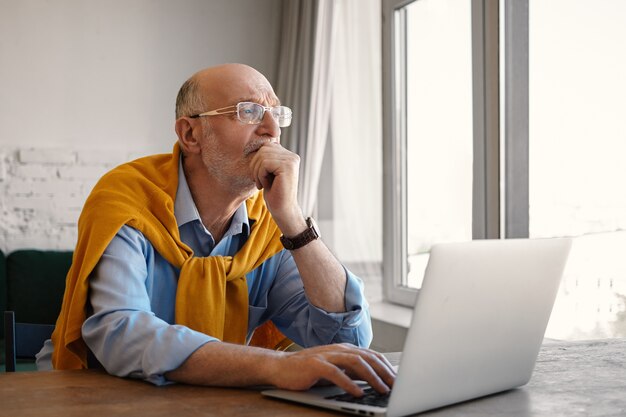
255 146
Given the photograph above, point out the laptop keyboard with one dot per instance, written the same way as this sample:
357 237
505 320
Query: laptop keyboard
371 397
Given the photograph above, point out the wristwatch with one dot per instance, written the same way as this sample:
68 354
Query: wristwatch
309 235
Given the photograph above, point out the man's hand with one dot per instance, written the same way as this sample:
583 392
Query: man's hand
225 364
340 364
275 170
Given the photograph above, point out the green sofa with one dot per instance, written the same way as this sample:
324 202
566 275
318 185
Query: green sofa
32 283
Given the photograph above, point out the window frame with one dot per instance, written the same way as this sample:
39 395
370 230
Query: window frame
486 197
516 119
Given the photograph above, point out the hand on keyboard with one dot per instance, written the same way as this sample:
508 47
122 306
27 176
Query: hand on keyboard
340 364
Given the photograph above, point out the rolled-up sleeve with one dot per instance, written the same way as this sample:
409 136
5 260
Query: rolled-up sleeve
353 326
123 332
308 325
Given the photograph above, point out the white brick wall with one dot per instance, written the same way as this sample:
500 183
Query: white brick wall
46 156
42 192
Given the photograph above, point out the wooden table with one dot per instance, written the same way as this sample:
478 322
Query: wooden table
570 379
93 393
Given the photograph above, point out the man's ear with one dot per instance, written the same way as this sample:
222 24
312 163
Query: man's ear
188 132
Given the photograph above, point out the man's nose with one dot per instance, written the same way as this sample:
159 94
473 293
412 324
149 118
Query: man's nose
269 126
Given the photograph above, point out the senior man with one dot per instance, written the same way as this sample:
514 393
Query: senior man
180 258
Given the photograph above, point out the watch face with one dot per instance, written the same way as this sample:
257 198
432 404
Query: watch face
313 224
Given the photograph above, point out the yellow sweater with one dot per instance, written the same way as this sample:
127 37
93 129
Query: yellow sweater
212 294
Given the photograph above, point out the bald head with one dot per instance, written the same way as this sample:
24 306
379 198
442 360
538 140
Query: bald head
222 86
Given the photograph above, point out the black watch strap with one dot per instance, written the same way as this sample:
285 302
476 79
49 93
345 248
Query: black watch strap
310 234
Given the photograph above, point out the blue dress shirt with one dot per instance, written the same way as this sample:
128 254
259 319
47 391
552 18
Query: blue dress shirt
132 292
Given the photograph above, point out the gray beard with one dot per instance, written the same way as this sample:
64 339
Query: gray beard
228 173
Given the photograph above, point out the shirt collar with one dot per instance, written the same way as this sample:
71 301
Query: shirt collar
185 209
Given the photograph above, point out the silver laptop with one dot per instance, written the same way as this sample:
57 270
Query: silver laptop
476 330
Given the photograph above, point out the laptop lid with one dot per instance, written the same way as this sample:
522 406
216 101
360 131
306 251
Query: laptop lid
479 320
477 325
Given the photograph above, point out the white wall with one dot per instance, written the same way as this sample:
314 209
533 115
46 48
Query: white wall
85 85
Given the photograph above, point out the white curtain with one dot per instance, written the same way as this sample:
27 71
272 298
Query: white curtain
356 124
305 84
330 74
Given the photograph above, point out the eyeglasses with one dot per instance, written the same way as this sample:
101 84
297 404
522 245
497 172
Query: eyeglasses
252 113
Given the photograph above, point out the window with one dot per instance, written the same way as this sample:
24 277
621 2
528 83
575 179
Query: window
577 143
438 153
433 141
543 97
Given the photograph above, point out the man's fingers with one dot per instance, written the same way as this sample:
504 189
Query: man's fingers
343 381
381 365
366 369
273 159
265 173
264 181
376 360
